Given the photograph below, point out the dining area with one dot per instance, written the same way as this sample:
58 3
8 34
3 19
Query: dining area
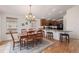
35 33
27 38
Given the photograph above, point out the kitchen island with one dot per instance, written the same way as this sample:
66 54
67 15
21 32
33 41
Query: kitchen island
56 33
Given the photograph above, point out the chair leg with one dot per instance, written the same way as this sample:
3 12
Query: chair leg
24 43
20 45
68 39
61 38
13 45
33 43
27 44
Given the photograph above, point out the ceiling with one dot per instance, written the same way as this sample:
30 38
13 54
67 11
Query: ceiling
39 11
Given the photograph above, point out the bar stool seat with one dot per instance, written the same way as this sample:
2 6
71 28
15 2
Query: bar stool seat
50 35
64 35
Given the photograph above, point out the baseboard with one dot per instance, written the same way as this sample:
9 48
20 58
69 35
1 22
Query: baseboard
5 40
74 39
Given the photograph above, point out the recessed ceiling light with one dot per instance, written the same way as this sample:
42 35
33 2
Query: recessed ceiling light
60 11
49 14
43 17
53 10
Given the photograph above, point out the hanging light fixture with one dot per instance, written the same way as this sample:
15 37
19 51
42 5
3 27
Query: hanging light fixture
30 17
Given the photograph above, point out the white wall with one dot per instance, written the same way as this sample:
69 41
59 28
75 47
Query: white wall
0 27
3 28
71 21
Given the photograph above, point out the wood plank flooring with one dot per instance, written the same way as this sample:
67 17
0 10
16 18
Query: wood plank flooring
57 47
4 42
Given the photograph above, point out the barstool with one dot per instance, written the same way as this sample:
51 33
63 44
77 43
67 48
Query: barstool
50 35
62 35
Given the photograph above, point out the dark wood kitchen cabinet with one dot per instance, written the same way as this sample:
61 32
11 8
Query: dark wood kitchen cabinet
45 22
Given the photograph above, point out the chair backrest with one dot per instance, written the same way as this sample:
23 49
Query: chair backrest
39 33
12 36
30 32
40 30
23 30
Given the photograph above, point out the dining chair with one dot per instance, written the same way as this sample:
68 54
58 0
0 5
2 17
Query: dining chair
27 39
13 40
23 30
30 38
39 36
64 36
23 40
50 35
41 30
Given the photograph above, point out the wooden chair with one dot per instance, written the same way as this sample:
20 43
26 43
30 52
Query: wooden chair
23 40
23 30
50 35
39 36
14 41
27 39
41 30
64 35
30 38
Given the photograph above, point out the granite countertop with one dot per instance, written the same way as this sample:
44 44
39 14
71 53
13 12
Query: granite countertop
57 30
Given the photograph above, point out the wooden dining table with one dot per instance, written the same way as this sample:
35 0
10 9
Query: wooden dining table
24 35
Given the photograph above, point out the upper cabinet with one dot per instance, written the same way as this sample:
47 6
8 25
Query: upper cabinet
45 22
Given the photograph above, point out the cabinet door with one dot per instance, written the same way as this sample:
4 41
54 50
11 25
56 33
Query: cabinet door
43 22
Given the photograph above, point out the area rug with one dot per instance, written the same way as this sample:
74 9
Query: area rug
37 49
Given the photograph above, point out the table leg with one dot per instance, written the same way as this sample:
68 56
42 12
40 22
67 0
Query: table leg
20 43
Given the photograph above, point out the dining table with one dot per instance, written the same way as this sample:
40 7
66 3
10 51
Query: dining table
24 35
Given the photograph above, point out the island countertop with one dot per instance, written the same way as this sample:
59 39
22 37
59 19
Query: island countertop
56 30
56 33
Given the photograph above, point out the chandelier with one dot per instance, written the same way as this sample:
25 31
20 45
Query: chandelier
29 16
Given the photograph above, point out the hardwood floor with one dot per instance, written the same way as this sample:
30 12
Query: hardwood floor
3 45
4 42
57 47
